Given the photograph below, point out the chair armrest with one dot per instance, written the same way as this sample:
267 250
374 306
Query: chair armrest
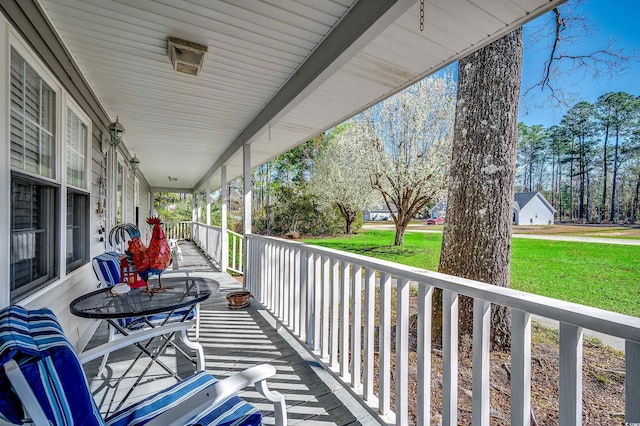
214 394
26 395
131 339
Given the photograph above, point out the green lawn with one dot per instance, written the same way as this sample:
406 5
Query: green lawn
600 275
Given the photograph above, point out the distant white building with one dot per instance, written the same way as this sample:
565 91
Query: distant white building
379 214
531 208
439 210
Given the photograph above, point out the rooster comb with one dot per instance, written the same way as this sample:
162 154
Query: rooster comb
154 221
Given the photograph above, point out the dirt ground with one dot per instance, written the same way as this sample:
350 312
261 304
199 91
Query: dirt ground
603 384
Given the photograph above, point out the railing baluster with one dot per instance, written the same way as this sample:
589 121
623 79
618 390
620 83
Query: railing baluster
326 303
570 390
233 255
292 290
344 319
269 294
449 357
520 368
369 323
317 300
356 318
281 285
296 292
310 317
276 280
285 286
632 383
402 352
384 345
302 301
240 255
425 296
481 368
335 303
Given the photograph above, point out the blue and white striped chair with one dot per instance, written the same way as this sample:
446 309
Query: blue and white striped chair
42 382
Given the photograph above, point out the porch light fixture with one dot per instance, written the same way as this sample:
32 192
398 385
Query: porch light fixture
116 130
135 163
186 56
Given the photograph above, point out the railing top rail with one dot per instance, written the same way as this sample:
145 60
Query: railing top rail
235 233
611 323
207 226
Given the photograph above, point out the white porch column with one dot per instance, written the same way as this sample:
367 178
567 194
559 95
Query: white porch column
207 243
194 212
224 237
208 192
152 196
246 155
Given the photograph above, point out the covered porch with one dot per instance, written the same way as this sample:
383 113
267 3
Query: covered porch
277 74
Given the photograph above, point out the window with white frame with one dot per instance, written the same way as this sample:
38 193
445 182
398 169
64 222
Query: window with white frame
77 223
33 194
37 188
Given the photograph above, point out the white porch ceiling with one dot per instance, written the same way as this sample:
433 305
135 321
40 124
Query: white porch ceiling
185 126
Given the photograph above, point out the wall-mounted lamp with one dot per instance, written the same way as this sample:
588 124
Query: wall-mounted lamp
116 130
135 163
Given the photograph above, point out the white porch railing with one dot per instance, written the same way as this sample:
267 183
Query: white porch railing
310 289
236 252
207 237
178 230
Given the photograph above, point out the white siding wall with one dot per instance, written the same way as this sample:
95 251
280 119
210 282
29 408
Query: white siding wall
535 213
58 295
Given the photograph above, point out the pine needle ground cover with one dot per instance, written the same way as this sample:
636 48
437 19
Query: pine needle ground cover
604 276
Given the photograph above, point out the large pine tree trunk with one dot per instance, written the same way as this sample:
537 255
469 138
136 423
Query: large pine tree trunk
477 234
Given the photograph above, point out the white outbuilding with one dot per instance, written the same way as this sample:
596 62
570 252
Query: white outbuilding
531 208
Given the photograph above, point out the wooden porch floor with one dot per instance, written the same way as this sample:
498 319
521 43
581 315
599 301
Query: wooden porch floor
234 340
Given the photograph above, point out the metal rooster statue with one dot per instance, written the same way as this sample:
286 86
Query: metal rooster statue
145 261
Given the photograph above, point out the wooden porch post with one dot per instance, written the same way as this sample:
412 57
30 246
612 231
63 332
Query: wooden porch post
224 237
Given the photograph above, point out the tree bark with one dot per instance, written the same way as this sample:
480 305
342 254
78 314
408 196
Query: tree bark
614 179
477 234
636 196
605 173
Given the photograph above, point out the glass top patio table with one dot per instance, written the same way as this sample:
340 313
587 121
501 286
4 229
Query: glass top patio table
178 292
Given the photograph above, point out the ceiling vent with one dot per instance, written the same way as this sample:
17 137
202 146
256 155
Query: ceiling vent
186 56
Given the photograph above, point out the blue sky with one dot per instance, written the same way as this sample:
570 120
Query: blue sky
613 20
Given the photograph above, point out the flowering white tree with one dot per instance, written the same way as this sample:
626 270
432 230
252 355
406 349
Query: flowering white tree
341 173
411 135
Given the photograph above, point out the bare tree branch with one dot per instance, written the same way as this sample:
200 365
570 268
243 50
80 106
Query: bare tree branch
568 28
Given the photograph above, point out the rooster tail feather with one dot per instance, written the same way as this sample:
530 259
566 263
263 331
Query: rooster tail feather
119 233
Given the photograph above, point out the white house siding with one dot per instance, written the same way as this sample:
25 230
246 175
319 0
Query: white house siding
439 210
38 38
536 212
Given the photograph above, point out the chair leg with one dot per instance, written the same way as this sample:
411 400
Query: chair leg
105 358
196 347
